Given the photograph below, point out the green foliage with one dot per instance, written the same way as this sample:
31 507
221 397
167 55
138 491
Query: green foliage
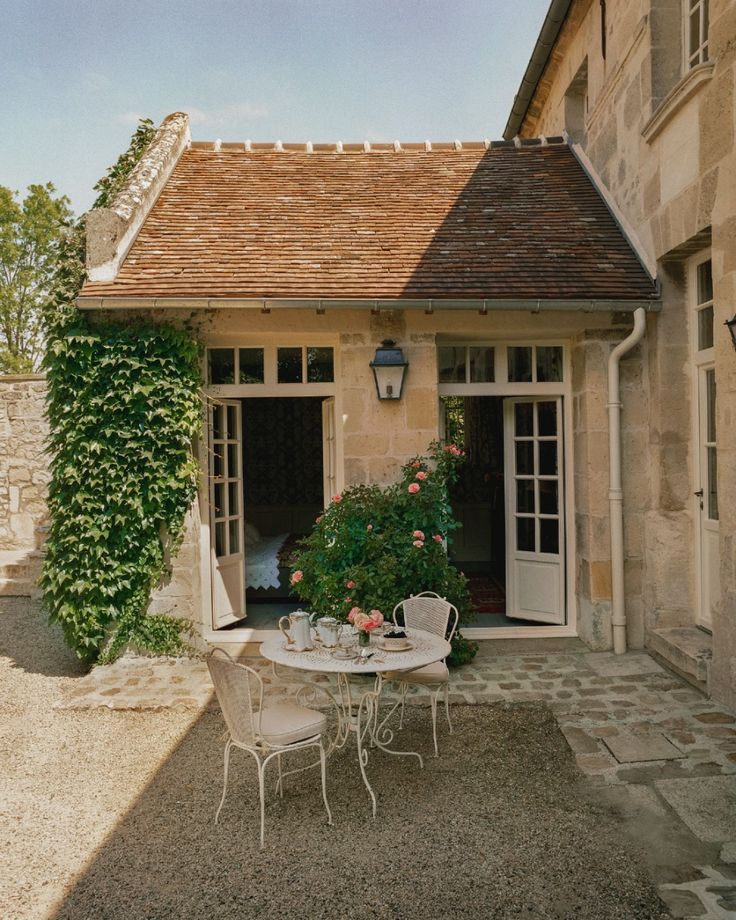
123 407
373 547
30 239
113 181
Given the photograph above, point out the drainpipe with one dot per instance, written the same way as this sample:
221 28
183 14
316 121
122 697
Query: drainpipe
615 491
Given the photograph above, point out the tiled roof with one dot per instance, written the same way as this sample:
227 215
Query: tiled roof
501 222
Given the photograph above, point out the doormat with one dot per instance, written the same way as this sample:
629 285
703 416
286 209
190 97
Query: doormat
501 825
487 594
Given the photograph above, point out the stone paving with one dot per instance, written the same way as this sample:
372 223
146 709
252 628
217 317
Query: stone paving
656 749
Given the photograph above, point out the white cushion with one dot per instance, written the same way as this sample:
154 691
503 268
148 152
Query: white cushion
286 723
435 673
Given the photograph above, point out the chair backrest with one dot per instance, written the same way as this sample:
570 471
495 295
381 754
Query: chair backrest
239 692
430 612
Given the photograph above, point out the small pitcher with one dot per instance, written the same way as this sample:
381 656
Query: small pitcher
300 638
328 630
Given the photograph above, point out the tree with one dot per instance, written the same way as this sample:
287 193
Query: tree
30 236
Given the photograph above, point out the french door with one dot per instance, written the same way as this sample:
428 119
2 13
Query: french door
226 513
535 525
707 497
329 450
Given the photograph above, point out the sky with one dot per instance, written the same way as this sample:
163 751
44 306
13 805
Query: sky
75 75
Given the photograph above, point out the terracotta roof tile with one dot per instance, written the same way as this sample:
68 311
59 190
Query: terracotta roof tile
502 222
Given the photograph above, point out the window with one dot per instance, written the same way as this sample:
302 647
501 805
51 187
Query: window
500 364
465 364
696 32
249 365
704 305
576 104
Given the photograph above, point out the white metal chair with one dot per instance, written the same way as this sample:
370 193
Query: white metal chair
432 613
263 732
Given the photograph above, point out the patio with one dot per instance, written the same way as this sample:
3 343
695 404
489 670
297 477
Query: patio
129 757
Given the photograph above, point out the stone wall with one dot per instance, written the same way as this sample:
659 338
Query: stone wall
662 140
24 472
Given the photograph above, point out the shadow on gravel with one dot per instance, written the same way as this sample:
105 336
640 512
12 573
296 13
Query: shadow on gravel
31 643
500 826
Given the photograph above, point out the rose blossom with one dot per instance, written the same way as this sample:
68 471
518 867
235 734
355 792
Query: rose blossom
296 577
418 535
376 617
419 543
350 584
421 475
369 527
354 613
414 488
415 464
337 499
437 538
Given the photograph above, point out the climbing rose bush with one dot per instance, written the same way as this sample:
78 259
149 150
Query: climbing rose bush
373 546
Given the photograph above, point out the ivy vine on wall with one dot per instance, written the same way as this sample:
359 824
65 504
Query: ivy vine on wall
123 407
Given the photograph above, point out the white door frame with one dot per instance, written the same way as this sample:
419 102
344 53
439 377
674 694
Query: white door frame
505 389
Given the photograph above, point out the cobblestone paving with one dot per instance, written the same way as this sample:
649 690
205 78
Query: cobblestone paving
636 730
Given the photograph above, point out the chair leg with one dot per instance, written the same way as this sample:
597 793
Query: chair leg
323 764
433 694
262 795
228 746
403 689
447 706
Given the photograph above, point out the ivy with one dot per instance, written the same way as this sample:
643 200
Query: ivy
123 406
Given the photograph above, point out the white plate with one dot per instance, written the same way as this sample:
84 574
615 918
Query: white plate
397 648
344 654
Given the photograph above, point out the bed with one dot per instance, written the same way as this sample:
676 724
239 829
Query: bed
268 561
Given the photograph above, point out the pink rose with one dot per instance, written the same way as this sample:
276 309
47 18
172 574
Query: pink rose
355 611
348 600
437 538
414 488
369 527
360 620
296 577
419 543
418 535
337 499
350 584
376 617
421 475
415 464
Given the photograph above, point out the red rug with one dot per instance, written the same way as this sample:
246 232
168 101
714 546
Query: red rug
487 594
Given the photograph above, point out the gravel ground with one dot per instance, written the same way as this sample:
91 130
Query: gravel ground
110 815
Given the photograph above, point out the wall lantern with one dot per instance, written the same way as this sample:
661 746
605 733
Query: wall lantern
731 323
389 367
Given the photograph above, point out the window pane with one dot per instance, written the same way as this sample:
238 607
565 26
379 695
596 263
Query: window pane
705 328
549 363
320 367
232 422
289 365
232 498
712 483
547 418
481 365
232 461
710 396
220 539
548 458
525 496
251 365
705 281
217 460
218 422
520 364
221 365
525 457
219 499
525 534
451 364
454 408
694 31
549 535
548 496
524 419
234 533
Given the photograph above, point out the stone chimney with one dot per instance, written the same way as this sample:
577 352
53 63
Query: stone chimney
111 230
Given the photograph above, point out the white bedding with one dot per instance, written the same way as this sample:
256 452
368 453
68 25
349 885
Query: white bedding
262 562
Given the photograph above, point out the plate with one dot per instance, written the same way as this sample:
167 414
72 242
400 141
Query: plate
344 654
397 648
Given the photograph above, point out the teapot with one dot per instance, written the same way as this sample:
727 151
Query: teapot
328 630
300 638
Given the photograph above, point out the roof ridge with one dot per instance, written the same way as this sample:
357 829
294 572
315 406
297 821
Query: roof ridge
369 147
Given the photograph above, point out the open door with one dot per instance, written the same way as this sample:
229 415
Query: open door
329 450
535 527
226 513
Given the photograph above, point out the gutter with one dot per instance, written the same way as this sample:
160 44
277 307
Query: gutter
553 21
615 491
321 305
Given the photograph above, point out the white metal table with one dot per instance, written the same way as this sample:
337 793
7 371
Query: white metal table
361 717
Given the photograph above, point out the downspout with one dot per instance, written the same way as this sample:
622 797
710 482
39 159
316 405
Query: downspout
615 491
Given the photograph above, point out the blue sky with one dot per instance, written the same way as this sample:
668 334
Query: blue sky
76 74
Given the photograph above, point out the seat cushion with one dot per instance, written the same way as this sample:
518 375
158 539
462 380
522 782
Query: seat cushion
435 673
285 723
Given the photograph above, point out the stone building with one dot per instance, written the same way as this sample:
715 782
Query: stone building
501 276
645 91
